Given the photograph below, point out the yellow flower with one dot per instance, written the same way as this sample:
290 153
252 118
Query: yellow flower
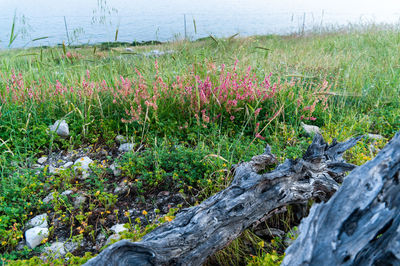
144 212
169 218
126 214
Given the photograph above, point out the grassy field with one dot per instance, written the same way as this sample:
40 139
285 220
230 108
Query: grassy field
191 114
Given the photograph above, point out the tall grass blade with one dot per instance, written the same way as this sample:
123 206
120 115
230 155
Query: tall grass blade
184 25
40 38
13 35
194 26
263 48
66 30
233 36
116 35
64 49
213 38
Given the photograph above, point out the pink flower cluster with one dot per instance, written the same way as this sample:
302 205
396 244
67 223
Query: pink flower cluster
217 94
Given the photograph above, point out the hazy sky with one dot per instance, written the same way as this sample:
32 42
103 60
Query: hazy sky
163 19
125 7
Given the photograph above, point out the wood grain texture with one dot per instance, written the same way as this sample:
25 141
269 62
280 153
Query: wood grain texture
360 224
200 231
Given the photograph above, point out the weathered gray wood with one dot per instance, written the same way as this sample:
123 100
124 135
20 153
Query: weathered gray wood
198 232
360 224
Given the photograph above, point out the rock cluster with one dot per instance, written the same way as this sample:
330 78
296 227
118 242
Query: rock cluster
78 164
38 230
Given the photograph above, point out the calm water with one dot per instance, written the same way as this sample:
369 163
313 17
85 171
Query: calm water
163 20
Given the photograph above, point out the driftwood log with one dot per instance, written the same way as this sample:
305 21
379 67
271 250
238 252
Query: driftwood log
200 231
360 224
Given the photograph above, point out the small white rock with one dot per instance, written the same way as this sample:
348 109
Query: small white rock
42 160
70 246
128 49
38 221
35 236
118 228
67 192
48 198
121 139
100 239
122 187
56 249
61 128
82 165
67 165
112 237
310 129
52 170
116 169
79 200
126 147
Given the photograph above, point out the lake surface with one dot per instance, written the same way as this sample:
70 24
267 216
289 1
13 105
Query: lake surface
86 22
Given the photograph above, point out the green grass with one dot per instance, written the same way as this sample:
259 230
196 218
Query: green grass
361 66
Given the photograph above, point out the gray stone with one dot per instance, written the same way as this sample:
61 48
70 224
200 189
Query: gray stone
42 160
38 221
67 192
100 239
310 129
122 187
67 165
121 139
79 200
157 53
53 170
126 147
56 250
35 236
21 245
118 228
113 237
61 128
116 169
70 246
82 165
128 49
48 198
